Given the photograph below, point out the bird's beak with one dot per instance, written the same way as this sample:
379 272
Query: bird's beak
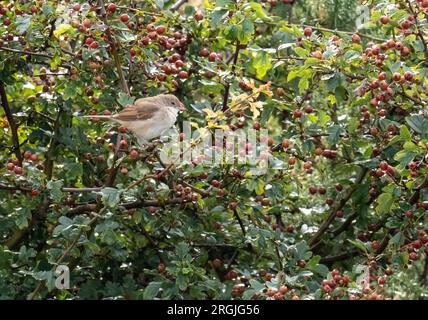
181 107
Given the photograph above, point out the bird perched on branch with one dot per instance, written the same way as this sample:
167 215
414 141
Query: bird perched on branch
148 117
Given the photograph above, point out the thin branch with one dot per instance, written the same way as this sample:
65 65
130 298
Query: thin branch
113 47
41 283
177 5
12 123
36 54
323 228
339 257
227 85
419 32
343 32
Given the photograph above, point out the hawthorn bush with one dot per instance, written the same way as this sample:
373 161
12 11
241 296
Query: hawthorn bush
341 213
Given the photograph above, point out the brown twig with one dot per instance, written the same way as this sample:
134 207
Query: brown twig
177 5
36 54
343 32
419 32
228 83
113 47
41 283
11 120
323 228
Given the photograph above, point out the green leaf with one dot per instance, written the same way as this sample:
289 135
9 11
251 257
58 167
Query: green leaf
322 270
384 203
151 290
22 23
125 99
262 63
159 3
359 244
23 214
217 16
257 286
259 11
404 157
301 52
110 196
405 133
182 249
418 123
334 134
55 190
303 84
63 28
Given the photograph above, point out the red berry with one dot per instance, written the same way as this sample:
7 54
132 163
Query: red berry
112 7
356 38
384 19
308 109
34 192
285 143
383 165
27 154
152 210
88 41
374 245
233 205
216 263
183 74
10 166
345 279
134 154
408 75
417 244
413 256
381 281
198 15
132 52
215 183
7 21
204 52
77 7
396 76
18 170
86 23
307 31
297 113
124 170
93 45
212 56
160 29
33 9
124 17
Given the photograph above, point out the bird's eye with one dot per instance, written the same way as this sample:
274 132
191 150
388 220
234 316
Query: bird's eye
173 103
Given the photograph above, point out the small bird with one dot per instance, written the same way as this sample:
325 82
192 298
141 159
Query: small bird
148 117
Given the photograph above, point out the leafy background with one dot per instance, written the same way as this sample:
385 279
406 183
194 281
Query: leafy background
344 219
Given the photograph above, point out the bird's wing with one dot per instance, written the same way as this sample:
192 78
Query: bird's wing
141 111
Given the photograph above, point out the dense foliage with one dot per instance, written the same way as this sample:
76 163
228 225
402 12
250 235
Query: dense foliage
340 214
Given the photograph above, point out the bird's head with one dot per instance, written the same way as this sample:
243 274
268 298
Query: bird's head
171 101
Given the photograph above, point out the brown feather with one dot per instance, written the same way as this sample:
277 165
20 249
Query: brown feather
143 110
